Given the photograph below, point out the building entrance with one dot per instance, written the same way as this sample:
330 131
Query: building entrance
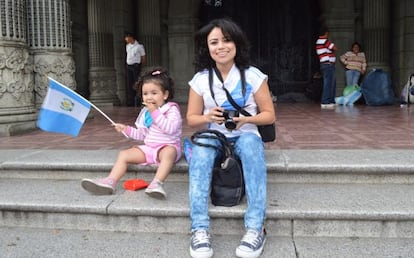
282 34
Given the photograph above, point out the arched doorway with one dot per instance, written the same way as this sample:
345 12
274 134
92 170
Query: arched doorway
282 34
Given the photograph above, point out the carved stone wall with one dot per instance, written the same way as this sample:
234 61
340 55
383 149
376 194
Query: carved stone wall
50 41
17 112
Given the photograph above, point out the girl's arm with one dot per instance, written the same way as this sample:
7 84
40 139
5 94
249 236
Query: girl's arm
136 133
131 132
170 122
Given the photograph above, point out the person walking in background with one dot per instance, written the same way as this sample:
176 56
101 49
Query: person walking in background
135 58
159 126
326 53
355 64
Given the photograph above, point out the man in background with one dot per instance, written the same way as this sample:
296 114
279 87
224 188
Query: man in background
135 58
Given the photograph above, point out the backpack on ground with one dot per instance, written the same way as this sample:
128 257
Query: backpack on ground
407 93
227 185
377 89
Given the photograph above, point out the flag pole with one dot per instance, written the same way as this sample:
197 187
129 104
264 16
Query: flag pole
90 103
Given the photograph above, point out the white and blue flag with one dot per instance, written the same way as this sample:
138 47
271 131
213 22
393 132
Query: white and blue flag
63 110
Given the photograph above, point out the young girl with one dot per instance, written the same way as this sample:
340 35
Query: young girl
159 125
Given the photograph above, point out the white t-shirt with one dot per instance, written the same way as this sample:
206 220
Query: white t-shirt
254 79
134 52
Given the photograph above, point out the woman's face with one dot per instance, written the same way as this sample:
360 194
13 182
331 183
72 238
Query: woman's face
355 48
222 49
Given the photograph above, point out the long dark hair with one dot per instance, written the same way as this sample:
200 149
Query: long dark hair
231 30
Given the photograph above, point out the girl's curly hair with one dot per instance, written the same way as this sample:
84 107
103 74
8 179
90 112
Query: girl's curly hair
231 30
159 76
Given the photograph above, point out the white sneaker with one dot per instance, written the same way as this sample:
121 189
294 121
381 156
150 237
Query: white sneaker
103 186
328 106
252 244
200 246
156 190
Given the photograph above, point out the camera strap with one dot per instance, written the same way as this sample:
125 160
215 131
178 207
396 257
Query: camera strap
229 97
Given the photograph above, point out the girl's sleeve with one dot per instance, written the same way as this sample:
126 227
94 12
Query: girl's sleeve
140 131
136 133
169 122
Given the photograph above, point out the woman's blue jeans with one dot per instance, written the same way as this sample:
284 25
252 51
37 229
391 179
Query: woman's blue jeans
352 77
250 149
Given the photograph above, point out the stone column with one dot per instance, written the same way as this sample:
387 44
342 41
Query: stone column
149 27
339 16
102 78
50 42
17 110
181 22
402 61
376 31
124 20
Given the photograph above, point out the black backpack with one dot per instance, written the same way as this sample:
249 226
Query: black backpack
227 185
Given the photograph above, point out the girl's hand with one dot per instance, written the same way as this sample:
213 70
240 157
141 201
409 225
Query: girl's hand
151 106
216 115
119 127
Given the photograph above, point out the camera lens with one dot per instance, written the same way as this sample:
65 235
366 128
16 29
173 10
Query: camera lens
228 116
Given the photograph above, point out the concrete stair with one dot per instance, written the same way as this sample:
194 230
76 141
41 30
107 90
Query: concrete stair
321 203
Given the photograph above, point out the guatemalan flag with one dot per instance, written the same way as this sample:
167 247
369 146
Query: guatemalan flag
63 110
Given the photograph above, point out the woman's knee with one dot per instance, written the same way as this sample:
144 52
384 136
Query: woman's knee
250 141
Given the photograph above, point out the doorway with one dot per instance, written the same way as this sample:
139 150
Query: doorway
282 34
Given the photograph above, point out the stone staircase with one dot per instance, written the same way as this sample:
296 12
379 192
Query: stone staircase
321 203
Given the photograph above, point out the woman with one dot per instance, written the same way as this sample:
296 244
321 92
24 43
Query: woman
222 45
355 64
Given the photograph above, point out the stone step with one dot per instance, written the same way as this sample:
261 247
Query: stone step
289 166
38 242
306 209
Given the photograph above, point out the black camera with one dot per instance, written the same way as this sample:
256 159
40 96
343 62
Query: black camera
228 118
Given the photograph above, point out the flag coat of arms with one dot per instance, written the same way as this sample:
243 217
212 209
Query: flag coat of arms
63 110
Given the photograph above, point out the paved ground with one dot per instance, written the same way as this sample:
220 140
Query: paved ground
300 126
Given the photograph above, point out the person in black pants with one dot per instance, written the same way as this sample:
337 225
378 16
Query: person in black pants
135 57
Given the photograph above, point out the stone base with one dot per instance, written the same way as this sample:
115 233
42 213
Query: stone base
17 128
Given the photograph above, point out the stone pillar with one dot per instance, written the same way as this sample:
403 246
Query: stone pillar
50 42
402 43
79 19
376 31
17 110
102 78
124 20
181 22
149 28
339 16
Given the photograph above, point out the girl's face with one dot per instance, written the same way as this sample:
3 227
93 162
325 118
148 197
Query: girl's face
152 94
222 49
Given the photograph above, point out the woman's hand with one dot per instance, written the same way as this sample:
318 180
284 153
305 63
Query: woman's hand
119 127
216 115
240 121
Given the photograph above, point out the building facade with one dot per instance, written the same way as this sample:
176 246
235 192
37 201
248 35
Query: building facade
81 44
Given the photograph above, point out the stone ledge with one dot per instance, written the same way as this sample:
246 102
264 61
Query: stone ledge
307 209
282 161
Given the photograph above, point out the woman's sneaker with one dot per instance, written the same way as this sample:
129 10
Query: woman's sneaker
200 246
104 186
156 190
252 244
